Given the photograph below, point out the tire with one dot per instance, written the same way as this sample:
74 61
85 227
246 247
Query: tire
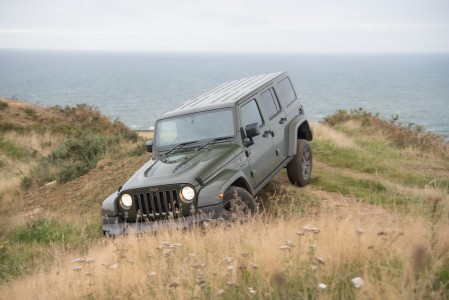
238 201
299 169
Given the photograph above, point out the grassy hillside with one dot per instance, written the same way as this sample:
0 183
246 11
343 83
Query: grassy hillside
377 208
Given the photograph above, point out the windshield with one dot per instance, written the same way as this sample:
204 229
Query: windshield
195 127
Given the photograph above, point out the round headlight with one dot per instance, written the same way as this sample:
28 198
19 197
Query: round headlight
126 201
187 193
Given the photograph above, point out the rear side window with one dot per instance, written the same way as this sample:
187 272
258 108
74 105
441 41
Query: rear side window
286 91
270 103
250 113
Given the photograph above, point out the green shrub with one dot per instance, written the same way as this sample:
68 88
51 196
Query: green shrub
43 232
74 158
401 135
3 105
11 150
26 182
29 112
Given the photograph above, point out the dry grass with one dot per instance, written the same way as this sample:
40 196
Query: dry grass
328 133
38 144
264 257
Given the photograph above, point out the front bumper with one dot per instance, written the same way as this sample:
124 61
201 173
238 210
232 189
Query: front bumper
116 226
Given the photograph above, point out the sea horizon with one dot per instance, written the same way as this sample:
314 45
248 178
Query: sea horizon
137 86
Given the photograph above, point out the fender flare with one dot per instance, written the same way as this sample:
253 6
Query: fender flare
210 193
298 128
108 207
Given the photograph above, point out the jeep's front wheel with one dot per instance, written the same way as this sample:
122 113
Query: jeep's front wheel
299 169
238 201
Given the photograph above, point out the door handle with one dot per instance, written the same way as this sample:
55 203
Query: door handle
267 133
282 120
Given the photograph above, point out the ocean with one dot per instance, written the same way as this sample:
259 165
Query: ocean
137 87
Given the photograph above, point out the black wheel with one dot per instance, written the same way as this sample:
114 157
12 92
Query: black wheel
238 202
299 169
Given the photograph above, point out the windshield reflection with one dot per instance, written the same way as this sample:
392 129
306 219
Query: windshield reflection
200 126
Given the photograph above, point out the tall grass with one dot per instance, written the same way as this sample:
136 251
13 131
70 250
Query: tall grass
264 258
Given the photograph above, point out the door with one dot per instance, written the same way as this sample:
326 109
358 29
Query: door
260 154
276 120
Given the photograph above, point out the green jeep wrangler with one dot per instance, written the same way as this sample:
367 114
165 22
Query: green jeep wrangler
212 154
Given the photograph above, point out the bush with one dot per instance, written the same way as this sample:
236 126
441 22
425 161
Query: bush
402 135
26 183
74 158
10 149
3 105
43 232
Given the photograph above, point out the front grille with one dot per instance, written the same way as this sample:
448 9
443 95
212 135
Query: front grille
157 205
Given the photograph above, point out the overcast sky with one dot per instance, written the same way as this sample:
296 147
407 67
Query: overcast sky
227 26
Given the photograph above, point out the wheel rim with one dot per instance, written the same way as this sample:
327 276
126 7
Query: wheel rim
239 207
306 163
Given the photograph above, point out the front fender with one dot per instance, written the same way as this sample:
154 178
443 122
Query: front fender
210 193
108 207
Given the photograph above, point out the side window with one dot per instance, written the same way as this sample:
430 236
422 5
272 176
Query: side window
270 103
286 91
249 113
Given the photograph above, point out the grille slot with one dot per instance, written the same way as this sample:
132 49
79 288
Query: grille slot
157 205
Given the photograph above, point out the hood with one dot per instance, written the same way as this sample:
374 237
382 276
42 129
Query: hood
183 167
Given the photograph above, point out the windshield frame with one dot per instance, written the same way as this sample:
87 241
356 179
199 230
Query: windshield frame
158 148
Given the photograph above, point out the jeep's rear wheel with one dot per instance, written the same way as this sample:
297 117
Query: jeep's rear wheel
299 169
238 202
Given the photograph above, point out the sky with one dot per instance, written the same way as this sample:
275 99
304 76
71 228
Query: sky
280 26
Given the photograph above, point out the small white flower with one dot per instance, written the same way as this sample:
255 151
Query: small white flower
357 282
230 268
252 291
289 243
307 228
285 248
228 259
322 286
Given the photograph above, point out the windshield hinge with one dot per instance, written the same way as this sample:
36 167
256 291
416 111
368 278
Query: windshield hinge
200 181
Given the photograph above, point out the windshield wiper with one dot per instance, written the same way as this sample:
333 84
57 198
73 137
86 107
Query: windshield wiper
180 146
215 140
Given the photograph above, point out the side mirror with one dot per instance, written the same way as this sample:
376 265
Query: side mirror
252 130
149 145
